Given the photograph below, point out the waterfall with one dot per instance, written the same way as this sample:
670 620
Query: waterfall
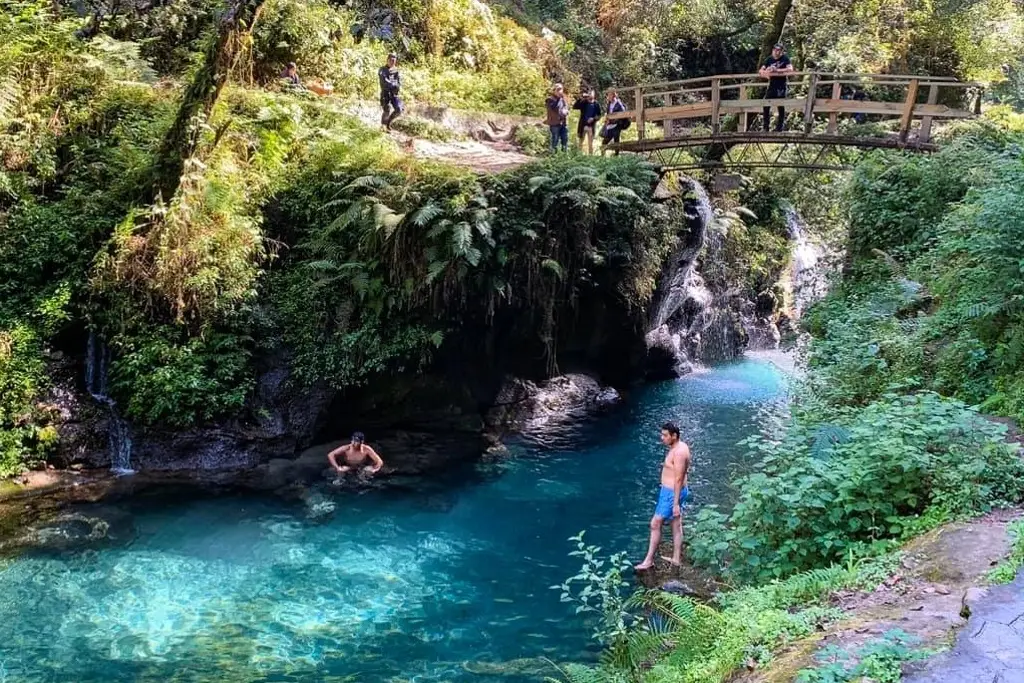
692 322
683 281
97 360
809 274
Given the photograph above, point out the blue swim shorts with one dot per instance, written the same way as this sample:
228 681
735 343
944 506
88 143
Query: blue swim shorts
664 507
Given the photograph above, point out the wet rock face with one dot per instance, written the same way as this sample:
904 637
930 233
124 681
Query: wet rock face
692 322
283 419
523 406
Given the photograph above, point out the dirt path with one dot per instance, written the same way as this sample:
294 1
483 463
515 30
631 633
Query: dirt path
482 157
477 155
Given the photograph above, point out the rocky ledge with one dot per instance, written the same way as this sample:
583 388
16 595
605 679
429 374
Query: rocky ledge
525 407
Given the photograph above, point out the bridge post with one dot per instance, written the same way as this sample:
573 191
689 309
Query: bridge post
812 90
833 118
639 92
716 95
926 122
908 110
742 126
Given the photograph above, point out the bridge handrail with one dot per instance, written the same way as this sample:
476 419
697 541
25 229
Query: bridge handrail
710 89
947 81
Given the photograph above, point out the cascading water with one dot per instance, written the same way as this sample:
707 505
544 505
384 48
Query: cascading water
96 362
809 274
691 322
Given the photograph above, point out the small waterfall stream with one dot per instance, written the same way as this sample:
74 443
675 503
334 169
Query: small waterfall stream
96 363
809 274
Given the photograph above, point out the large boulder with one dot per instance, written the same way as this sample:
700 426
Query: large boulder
523 406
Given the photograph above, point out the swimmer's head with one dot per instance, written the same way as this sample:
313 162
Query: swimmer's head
358 438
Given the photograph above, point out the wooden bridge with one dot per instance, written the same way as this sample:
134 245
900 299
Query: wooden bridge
705 123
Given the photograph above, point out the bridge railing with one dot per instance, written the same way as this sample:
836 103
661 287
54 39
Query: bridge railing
811 93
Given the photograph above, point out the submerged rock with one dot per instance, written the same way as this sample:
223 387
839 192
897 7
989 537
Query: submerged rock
75 530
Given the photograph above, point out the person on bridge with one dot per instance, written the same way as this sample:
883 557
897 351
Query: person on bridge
390 84
558 118
590 114
776 68
612 129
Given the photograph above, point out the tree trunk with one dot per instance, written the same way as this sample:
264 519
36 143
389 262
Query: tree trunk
774 32
201 95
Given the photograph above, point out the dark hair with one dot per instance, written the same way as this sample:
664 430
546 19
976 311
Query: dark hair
358 436
291 65
671 428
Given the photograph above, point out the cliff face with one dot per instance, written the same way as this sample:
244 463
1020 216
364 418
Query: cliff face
492 374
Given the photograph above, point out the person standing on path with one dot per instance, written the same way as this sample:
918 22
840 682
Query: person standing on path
612 129
776 69
558 118
671 497
590 114
390 84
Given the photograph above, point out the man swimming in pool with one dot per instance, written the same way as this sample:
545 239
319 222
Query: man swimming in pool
356 454
671 497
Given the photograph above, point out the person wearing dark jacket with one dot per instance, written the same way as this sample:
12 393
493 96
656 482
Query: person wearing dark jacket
590 113
291 74
612 129
390 84
776 68
558 118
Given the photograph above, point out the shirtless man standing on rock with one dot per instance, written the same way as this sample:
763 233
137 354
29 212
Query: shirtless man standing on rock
671 498
356 453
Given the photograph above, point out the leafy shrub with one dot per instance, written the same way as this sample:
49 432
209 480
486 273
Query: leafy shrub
1007 570
879 660
657 636
24 435
808 506
601 591
895 202
532 140
160 376
409 253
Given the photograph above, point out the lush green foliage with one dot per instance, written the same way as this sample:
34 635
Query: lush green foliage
407 255
879 660
177 381
933 300
822 492
24 433
657 637
1007 570
602 590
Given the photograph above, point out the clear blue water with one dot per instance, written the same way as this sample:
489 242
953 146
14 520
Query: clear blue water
445 582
